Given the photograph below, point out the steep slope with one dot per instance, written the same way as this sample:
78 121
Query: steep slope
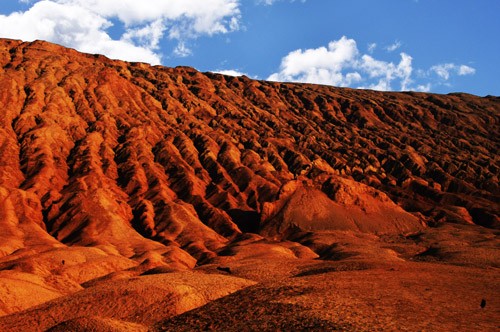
111 149
111 169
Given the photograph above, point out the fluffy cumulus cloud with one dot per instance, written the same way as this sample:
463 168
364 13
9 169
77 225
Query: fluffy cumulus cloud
341 63
323 65
84 24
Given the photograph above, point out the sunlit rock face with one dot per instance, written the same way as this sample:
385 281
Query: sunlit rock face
96 151
110 169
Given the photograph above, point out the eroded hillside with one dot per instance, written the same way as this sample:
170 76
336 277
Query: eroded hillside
111 169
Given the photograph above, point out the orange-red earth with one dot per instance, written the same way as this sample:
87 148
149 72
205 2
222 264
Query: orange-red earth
137 197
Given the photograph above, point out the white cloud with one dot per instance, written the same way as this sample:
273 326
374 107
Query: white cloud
446 69
322 65
466 70
148 36
83 24
271 2
423 87
404 71
181 50
393 47
266 2
229 72
342 64
386 72
372 47
443 70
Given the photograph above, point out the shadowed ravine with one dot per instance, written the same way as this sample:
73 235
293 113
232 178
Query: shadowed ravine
131 194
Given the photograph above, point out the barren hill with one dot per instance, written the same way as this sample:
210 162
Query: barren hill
119 177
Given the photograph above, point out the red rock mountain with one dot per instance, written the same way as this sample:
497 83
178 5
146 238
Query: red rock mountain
110 170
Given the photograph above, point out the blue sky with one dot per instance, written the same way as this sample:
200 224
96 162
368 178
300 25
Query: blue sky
424 45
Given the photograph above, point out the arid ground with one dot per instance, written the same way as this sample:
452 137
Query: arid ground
137 197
